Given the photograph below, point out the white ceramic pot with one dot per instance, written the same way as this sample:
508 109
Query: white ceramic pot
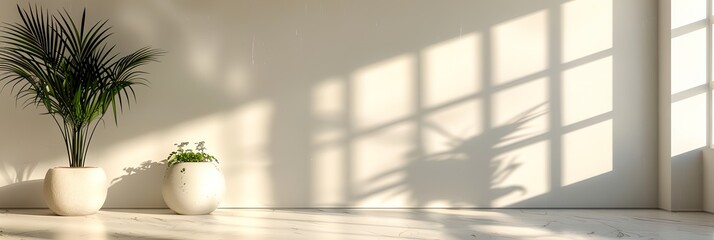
193 188
75 191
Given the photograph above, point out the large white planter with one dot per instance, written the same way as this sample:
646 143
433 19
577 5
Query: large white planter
193 188
75 191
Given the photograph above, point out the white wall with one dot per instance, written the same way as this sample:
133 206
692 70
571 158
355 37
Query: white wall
685 101
665 111
545 103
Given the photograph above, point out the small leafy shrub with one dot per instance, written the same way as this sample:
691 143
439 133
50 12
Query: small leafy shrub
183 154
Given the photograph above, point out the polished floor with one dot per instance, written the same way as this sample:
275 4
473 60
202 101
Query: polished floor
359 224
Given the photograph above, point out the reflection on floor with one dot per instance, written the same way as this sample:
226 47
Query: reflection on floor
359 224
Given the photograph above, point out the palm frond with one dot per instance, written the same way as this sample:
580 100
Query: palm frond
71 70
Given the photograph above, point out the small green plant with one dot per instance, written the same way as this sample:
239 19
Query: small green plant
183 154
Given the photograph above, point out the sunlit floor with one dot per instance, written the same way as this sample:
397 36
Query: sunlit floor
359 224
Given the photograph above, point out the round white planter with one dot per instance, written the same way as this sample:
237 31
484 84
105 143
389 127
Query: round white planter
75 191
193 188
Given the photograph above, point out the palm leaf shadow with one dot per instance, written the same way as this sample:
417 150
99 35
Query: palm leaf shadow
478 160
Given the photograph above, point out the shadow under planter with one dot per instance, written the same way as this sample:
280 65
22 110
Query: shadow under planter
140 187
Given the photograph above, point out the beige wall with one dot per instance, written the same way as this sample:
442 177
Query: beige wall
545 103
685 107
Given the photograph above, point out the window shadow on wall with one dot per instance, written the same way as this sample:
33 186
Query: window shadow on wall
476 162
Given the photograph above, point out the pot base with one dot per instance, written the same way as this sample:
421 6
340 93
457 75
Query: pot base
75 191
193 188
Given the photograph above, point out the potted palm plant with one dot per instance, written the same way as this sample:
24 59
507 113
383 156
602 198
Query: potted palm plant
69 69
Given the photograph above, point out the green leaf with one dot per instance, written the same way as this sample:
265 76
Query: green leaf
71 70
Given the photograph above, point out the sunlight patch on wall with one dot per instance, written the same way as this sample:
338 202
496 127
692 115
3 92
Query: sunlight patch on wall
248 184
328 181
139 160
587 153
328 159
689 119
687 11
689 60
520 112
249 128
383 92
238 138
519 174
246 133
587 91
378 165
451 70
446 128
156 146
520 47
689 68
151 147
586 28
328 109
207 128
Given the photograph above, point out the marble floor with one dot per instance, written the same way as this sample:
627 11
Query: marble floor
359 224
